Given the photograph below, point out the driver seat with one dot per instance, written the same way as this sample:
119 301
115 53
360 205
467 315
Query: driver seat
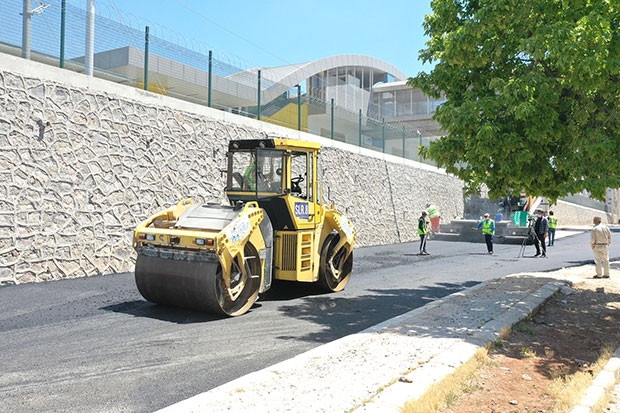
295 188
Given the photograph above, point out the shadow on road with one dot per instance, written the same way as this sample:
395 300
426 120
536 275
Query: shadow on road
141 308
290 290
341 316
579 263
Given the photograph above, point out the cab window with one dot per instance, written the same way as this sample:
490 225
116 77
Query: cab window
256 171
301 175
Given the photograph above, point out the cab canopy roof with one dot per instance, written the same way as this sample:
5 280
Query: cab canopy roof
287 144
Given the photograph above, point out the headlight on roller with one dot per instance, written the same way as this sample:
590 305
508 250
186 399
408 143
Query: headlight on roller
204 241
147 237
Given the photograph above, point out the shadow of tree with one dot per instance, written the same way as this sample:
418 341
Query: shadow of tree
340 316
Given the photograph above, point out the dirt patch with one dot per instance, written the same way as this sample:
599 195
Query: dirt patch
566 336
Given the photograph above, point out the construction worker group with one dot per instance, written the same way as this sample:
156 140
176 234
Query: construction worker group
544 230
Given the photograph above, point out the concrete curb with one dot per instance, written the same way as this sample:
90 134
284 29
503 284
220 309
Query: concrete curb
602 385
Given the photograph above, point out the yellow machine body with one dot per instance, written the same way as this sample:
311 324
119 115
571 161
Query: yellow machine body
219 258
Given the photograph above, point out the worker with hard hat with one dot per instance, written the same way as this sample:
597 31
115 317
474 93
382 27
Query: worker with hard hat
423 230
435 216
488 230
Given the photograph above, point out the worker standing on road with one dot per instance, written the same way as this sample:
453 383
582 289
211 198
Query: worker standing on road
423 230
488 230
435 216
499 216
541 229
553 224
600 239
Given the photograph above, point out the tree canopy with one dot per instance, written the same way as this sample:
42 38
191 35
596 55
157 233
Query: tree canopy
532 91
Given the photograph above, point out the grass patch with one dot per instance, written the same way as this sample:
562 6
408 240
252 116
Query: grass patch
499 341
504 333
523 327
527 352
444 393
568 391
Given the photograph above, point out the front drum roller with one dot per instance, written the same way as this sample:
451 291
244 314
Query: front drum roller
199 285
335 266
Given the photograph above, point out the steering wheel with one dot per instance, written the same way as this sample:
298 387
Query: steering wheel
295 187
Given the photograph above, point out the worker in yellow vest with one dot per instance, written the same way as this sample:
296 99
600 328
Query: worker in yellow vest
488 230
423 230
249 176
553 224
435 216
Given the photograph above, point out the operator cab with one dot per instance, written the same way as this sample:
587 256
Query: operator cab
257 169
278 174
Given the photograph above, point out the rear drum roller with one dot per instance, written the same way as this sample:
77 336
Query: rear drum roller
335 266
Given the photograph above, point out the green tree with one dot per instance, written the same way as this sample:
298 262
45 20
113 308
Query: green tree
532 91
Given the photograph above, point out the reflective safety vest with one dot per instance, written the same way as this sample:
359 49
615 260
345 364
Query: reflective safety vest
422 226
553 222
488 227
433 212
250 175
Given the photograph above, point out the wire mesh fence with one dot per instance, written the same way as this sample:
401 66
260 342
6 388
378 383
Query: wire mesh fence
54 33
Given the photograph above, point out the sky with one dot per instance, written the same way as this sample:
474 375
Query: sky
277 32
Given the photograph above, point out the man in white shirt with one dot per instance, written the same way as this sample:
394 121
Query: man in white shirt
600 239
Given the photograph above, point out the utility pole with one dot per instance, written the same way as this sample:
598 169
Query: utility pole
27 17
420 145
27 14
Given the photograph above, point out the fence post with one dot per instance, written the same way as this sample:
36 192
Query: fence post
419 146
146 58
404 142
210 71
383 135
89 54
63 18
26 24
258 110
332 119
298 107
359 128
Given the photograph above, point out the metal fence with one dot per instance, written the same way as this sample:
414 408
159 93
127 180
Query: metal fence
161 61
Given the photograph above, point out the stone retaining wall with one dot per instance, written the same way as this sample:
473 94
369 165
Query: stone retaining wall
83 160
570 214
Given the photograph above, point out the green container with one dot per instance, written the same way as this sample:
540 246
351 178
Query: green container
516 217
523 219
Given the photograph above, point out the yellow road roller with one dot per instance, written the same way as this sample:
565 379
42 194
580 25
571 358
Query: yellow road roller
219 258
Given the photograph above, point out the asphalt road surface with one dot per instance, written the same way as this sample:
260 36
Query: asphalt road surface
95 345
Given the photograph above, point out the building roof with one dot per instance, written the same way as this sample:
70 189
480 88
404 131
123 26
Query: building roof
291 75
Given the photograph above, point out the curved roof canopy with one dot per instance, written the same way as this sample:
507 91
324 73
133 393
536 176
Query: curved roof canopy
289 76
